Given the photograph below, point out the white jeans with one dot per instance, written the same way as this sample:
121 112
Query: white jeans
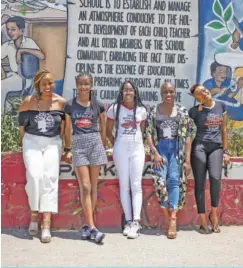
129 160
42 161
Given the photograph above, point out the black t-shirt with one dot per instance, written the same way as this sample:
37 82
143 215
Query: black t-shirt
166 126
41 123
84 119
208 122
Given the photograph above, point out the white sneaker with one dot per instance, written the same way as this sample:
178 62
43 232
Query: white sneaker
134 230
127 228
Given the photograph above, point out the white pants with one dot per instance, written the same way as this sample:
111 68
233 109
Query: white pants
129 160
42 161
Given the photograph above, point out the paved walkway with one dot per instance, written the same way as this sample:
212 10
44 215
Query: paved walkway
150 249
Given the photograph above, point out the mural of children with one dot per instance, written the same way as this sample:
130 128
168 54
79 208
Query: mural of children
13 50
221 77
237 35
233 96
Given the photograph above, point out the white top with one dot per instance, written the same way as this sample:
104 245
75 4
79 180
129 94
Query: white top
9 50
128 129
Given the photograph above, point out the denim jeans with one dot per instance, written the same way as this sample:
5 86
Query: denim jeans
169 172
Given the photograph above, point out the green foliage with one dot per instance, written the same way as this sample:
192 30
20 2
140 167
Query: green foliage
223 38
228 12
10 138
235 139
217 8
215 25
225 16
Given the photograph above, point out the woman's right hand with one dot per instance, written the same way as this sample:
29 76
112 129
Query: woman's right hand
68 157
158 160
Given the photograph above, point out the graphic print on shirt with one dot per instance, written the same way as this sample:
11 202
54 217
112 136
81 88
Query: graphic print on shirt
169 128
84 120
45 121
129 125
212 122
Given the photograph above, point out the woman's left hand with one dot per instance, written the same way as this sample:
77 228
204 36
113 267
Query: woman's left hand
187 168
226 159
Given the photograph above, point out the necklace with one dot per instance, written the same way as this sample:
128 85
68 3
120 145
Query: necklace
84 104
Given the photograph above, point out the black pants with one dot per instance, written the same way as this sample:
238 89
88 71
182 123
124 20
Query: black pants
205 157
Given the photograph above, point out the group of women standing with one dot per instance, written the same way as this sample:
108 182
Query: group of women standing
46 119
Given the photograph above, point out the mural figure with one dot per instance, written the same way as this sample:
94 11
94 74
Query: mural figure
223 41
20 51
221 78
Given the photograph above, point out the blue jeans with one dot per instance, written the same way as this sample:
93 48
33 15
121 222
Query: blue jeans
169 172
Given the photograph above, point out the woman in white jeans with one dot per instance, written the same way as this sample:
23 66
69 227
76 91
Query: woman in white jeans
128 115
41 121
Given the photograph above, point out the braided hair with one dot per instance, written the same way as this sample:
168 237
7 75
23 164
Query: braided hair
37 78
92 97
119 101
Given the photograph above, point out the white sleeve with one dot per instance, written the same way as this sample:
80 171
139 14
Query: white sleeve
31 44
4 50
111 112
144 114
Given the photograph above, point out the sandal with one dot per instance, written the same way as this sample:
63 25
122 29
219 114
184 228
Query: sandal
33 227
203 230
172 229
215 227
45 233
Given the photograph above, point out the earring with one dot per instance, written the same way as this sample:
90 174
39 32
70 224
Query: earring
200 107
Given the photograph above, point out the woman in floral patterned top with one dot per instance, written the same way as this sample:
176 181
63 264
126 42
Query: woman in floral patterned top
168 133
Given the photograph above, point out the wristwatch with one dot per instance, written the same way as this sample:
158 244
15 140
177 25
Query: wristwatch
67 149
225 151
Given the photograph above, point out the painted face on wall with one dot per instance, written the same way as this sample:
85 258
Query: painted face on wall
168 93
202 94
128 93
220 73
47 84
13 30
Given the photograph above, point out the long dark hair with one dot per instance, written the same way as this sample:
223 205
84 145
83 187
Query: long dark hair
92 97
119 101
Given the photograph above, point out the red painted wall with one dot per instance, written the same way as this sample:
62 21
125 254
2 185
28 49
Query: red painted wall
16 213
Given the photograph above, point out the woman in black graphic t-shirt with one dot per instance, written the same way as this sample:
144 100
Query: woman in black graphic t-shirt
209 152
41 121
86 116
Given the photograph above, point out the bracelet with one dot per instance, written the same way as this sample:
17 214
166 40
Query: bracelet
225 151
67 149
153 151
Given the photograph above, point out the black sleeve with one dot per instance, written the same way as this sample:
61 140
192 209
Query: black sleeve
101 106
23 118
192 113
68 107
223 107
63 116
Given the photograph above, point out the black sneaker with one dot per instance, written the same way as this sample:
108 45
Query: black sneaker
96 235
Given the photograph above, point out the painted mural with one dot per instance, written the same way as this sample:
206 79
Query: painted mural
148 42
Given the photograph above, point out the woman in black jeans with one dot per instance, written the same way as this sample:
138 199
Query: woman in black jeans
209 152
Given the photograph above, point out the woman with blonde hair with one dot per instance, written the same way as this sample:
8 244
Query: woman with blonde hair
41 121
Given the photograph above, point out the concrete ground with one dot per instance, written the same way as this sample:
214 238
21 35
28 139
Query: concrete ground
152 248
